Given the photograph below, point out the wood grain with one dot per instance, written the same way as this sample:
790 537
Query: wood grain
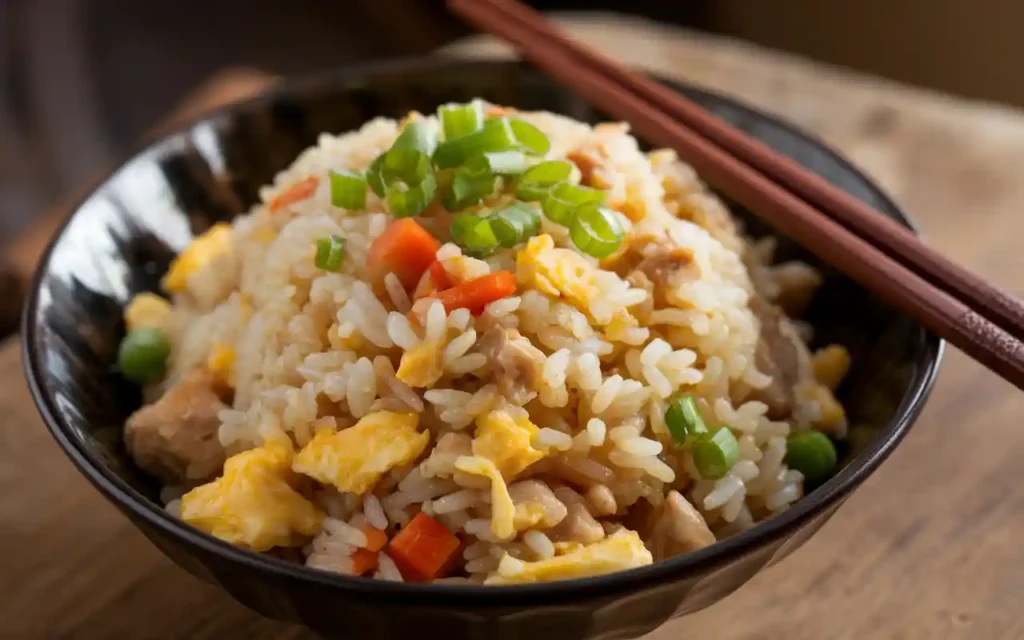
928 548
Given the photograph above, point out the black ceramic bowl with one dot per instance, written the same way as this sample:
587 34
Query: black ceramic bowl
120 239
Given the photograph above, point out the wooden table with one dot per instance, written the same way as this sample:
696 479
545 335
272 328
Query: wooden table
930 547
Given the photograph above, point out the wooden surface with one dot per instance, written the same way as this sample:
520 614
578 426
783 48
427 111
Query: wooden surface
930 547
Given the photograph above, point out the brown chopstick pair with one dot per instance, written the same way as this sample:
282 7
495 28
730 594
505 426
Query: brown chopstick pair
959 306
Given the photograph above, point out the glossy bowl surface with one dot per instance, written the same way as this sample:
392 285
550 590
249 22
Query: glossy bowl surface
121 238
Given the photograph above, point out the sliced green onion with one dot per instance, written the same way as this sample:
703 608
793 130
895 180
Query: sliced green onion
812 454
715 453
596 231
536 181
329 252
409 181
348 190
474 234
683 419
564 199
142 355
458 120
515 224
503 163
529 137
467 189
491 138
374 175
420 135
405 200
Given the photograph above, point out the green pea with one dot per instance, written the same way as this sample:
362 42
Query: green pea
142 356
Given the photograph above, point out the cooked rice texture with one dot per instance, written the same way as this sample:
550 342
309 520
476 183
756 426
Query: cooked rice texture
535 431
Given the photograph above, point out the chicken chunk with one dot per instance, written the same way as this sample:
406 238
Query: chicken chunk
175 438
518 365
677 528
661 269
782 355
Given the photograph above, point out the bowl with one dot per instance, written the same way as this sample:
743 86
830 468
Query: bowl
121 238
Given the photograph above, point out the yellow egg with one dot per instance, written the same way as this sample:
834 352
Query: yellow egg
354 459
556 272
503 510
222 363
253 503
830 365
216 241
146 310
528 515
421 365
507 442
569 546
621 550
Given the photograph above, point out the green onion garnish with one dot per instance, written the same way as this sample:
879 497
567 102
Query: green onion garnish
515 224
492 138
142 355
536 181
409 181
405 200
374 177
529 137
458 120
564 199
474 234
329 252
596 231
348 190
715 453
419 136
812 454
503 163
683 419
468 188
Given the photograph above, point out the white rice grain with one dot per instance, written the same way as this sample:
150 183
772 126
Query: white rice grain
539 544
374 512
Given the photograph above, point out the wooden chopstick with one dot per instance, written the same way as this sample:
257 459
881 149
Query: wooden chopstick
947 316
894 239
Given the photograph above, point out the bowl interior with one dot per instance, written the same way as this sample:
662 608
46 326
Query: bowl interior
122 237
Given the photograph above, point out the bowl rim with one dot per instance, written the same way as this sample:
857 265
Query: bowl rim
538 594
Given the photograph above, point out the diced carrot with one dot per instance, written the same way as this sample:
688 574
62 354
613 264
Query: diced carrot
295 193
477 293
363 561
375 538
439 276
405 249
424 550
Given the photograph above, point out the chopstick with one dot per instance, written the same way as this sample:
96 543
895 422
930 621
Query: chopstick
888 235
933 303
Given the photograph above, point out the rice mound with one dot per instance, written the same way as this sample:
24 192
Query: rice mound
317 351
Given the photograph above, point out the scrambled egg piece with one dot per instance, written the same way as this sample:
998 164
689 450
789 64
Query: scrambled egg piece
222 363
216 241
146 310
557 272
621 550
503 447
507 442
503 510
528 515
253 504
354 459
421 365
830 365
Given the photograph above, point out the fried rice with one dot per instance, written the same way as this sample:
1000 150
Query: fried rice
305 410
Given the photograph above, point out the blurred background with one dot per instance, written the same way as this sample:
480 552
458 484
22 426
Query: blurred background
81 80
